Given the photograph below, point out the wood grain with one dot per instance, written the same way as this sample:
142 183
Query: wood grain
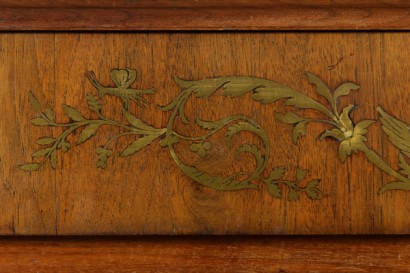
147 193
165 15
206 254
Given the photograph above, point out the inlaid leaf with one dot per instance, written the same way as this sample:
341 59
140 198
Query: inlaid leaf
202 88
404 166
53 159
238 127
299 131
34 102
137 123
88 132
274 190
312 190
50 114
277 173
289 118
293 195
41 152
397 185
250 149
344 90
301 174
138 144
30 167
273 93
72 113
238 86
46 140
207 125
39 122
321 87
94 103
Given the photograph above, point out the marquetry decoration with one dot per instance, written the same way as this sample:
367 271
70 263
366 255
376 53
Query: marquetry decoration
341 128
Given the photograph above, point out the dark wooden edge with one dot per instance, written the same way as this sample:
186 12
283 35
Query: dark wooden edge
206 254
203 18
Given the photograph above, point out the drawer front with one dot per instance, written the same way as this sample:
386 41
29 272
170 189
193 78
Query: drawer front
205 133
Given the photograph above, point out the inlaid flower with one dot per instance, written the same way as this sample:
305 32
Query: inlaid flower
123 78
351 137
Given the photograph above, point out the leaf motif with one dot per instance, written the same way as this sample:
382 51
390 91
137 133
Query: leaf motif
395 186
207 125
273 92
39 122
53 159
46 140
289 118
298 131
183 83
313 183
250 149
344 90
321 87
138 144
72 113
50 114
312 190
301 174
169 140
277 173
304 102
240 127
238 86
88 132
41 152
293 195
274 190
405 167
137 123
94 103
34 102
65 146
30 167
207 87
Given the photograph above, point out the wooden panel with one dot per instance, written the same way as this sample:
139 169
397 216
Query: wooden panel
199 4
204 15
205 254
148 193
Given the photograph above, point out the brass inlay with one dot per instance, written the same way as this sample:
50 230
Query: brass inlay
351 136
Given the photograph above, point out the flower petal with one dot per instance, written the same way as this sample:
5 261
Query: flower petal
344 150
335 133
345 120
361 127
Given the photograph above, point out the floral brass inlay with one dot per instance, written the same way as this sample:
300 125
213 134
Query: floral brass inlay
351 136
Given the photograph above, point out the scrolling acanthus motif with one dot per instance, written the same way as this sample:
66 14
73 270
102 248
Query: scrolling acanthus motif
351 136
